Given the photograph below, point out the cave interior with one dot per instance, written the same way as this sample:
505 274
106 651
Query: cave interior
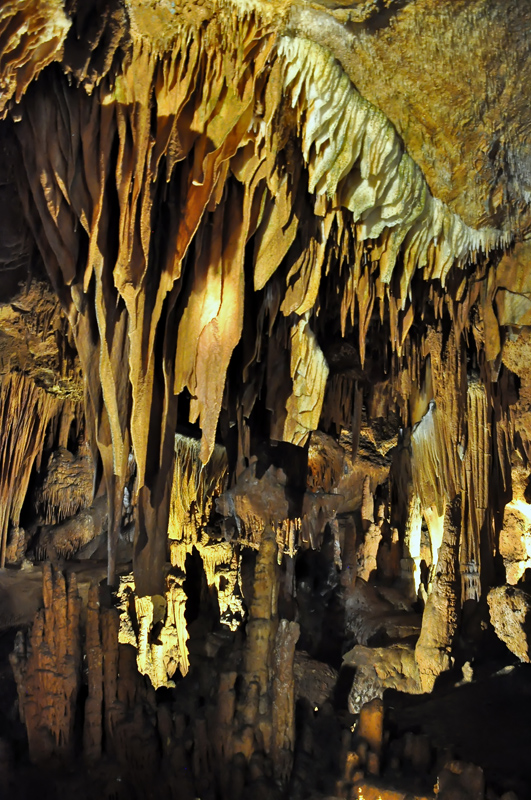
265 386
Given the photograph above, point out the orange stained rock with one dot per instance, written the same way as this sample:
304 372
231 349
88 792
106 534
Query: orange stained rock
370 725
47 666
366 790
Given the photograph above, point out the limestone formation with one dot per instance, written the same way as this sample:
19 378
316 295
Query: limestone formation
433 652
47 668
67 538
264 338
363 189
68 485
509 609
156 628
380 668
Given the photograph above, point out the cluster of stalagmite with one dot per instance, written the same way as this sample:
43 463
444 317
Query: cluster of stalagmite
245 725
257 717
47 668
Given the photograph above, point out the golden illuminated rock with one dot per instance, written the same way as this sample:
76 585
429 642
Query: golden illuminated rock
223 94
156 628
269 261
509 610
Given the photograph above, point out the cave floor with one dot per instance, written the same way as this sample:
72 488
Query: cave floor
485 722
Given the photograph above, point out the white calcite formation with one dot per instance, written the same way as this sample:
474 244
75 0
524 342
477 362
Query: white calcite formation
357 160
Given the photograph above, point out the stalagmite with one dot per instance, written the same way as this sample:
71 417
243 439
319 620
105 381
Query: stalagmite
47 668
93 727
283 743
368 550
433 652
16 546
260 717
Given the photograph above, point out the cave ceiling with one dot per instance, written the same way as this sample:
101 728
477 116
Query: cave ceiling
254 217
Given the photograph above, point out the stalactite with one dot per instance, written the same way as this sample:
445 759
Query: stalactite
338 405
68 485
156 628
387 192
121 400
202 125
194 490
309 372
412 534
32 35
477 466
25 410
283 689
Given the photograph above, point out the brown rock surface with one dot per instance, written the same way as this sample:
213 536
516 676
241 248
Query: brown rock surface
380 668
510 609
47 668
445 104
314 680
439 621
68 485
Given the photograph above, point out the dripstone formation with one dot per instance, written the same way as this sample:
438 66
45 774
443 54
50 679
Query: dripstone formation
265 399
